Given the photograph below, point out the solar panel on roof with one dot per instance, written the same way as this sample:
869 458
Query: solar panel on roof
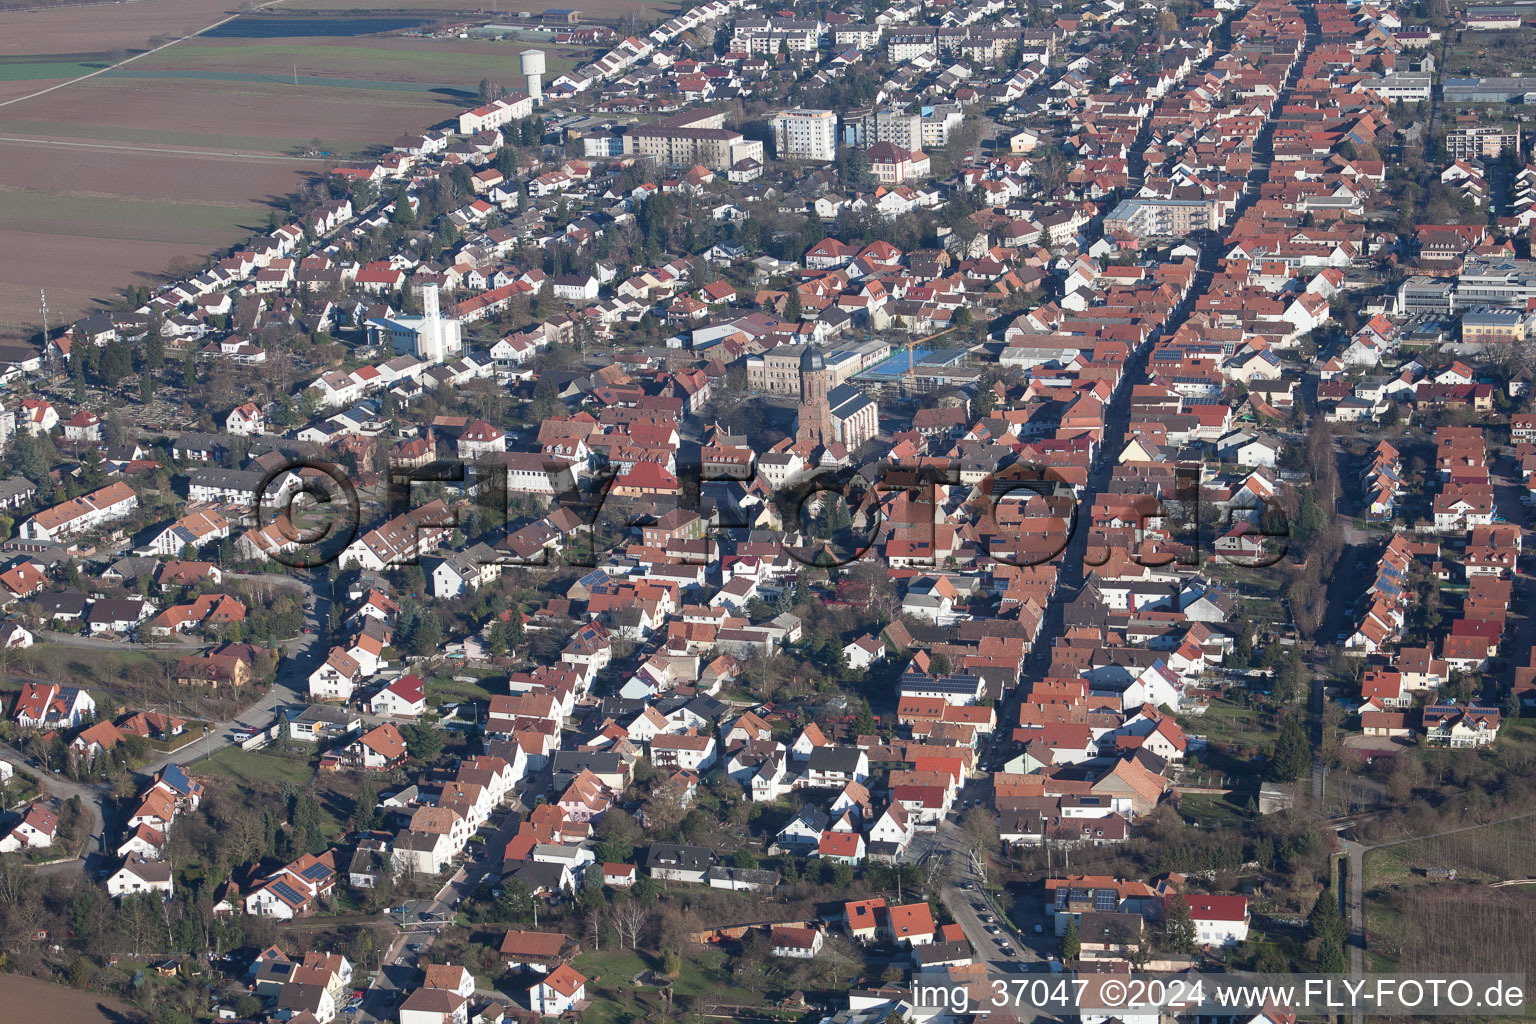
287 892
316 871
1104 900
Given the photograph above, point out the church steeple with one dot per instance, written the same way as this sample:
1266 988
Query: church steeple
815 413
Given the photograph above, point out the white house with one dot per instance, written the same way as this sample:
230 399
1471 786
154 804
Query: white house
575 287
35 831
245 420
434 1006
403 698
425 853
336 678
688 751
49 705
140 875
291 891
863 652
795 943
558 992
1218 920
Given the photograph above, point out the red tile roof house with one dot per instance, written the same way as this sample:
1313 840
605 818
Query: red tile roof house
841 847
863 917
533 951
911 924
379 749
1219 920
35 831
292 891
403 698
619 876
794 943
559 992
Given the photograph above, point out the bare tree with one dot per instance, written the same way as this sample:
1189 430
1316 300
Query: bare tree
629 919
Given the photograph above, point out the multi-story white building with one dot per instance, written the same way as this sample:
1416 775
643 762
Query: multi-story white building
803 134
938 124
899 128
903 46
496 113
761 34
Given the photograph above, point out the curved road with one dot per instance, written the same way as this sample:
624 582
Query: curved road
292 683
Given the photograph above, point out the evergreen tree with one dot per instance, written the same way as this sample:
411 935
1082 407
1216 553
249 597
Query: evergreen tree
154 350
792 307
403 214
427 637
1071 943
1326 925
365 809
516 900
1178 926
1293 754
424 741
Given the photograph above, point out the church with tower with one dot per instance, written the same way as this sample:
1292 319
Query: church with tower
835 419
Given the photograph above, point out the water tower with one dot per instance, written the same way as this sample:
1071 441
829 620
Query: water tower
533 67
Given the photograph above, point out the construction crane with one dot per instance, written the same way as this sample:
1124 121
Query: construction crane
912 360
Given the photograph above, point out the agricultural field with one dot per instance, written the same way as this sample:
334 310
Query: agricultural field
32 999
147 169
600 10
1418 924
102 28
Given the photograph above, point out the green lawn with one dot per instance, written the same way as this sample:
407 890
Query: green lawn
445 689
615 999
1228 720
91 666
258 767
1212 809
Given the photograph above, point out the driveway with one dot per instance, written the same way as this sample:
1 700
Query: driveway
301 654
425 919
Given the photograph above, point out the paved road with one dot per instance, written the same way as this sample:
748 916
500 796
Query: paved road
96 799
966 899
101 643
300 656
425 919
1355 855
137 56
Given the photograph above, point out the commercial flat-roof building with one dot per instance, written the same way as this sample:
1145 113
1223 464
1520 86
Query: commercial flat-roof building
1420 294
1496 282
1488 89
